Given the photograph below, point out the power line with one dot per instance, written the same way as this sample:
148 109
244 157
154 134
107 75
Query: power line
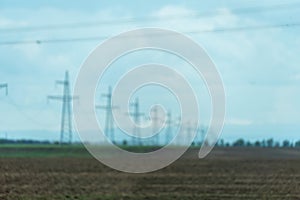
26 116
19 108
76 25
95 38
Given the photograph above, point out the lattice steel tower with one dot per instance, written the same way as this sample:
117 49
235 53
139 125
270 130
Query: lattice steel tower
109 120
188 133
169 124
66 113
136 117
155 120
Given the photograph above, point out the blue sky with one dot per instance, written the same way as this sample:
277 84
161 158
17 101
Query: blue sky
260 68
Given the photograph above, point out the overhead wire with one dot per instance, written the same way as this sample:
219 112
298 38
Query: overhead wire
10 101
94 38
277 7
245 10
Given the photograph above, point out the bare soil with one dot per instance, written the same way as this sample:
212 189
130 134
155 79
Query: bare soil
227 173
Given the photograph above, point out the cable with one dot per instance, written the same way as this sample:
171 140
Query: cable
247 10
25 115
85 39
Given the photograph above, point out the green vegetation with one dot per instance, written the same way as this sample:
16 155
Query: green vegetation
56 150
31 150
40 150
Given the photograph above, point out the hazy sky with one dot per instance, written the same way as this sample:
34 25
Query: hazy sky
260 68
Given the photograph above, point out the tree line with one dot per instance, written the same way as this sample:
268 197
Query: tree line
259 143
271 143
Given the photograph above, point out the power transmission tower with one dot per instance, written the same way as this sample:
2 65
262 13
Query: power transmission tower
136 117
66 113
154 126
4 85
169 127
198 137
202 131
109 120
188 132
178 124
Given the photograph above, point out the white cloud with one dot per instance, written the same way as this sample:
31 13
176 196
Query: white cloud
184 19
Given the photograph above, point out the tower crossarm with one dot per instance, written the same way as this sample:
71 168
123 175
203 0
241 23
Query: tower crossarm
59 82
63 98
106 107
4 85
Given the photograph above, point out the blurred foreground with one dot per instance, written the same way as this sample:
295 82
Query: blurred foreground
47 172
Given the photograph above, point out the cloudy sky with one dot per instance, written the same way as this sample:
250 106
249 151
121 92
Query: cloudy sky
254 44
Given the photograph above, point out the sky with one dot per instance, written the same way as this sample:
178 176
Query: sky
259 67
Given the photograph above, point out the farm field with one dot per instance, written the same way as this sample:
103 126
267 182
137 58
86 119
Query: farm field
49 172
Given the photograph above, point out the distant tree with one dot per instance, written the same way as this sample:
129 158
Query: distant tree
124 142
286 143
277 144
221 143
239 143
270 142
263 143
206 143
257 144
249 144
297 144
